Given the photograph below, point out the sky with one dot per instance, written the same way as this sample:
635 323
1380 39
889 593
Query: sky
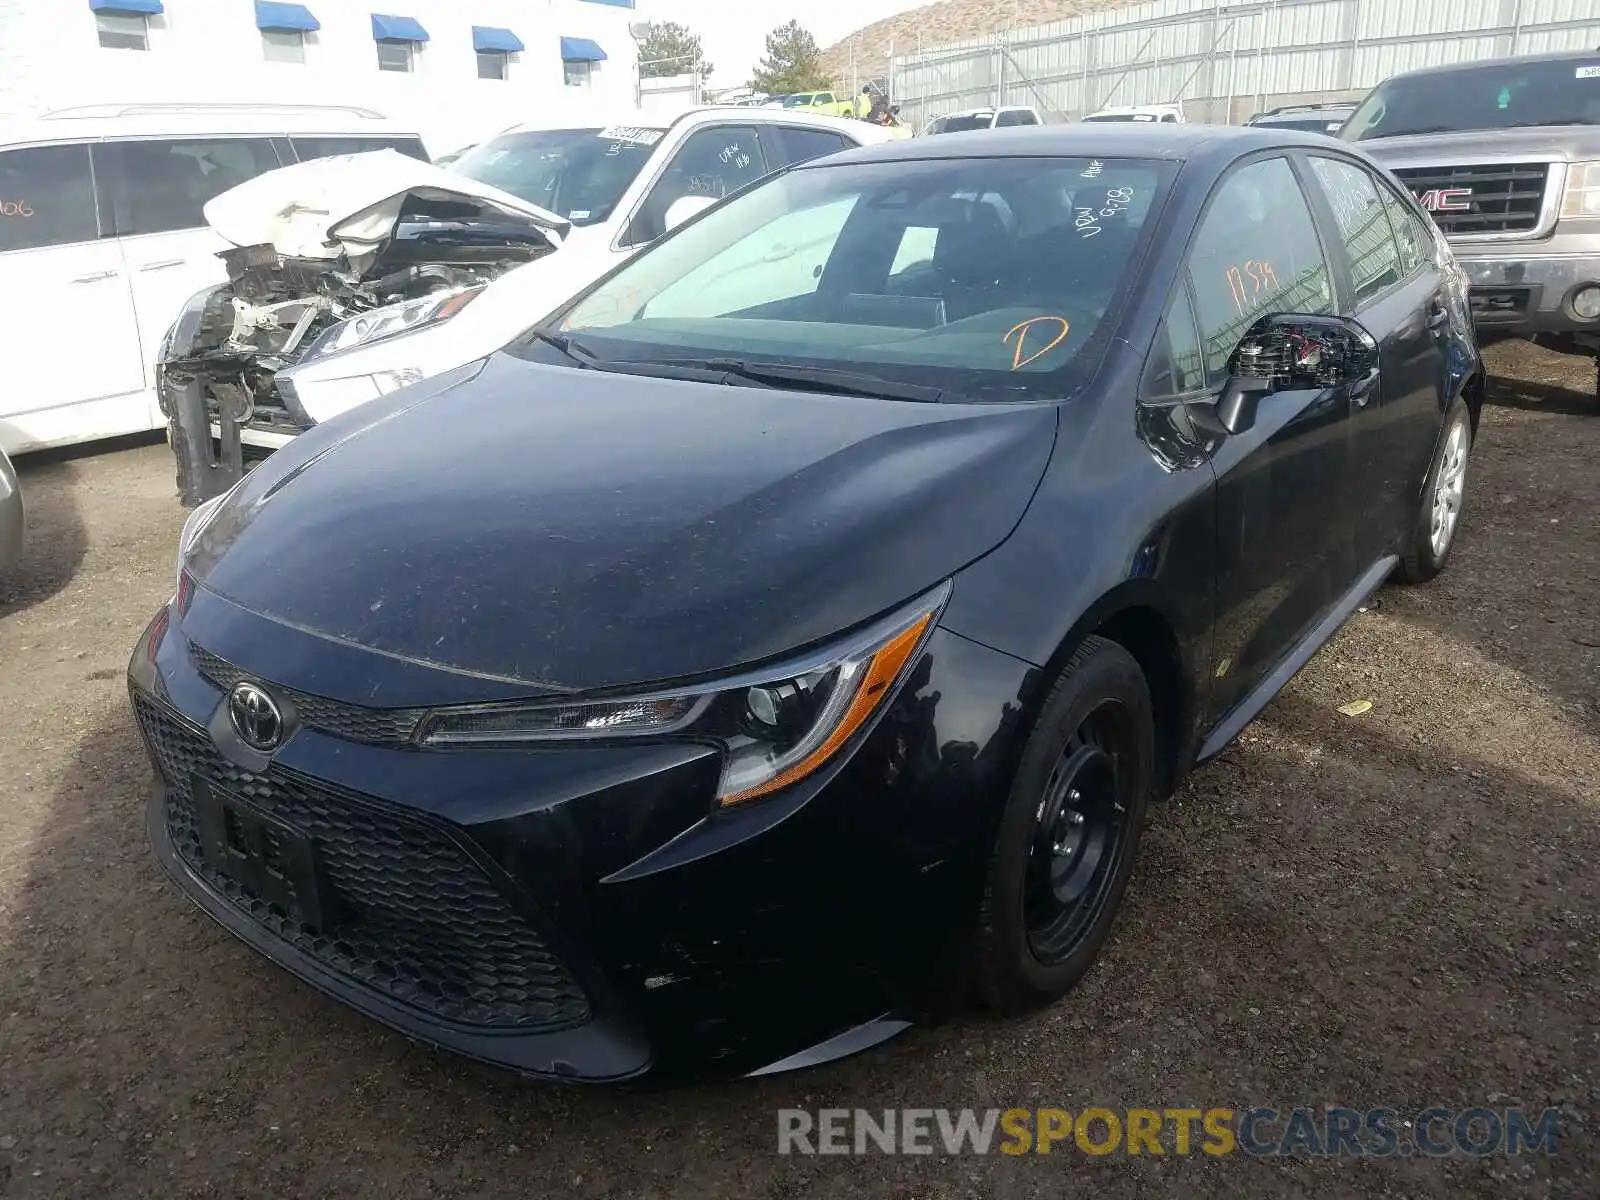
733 33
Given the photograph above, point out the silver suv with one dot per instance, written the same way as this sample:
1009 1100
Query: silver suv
1505 153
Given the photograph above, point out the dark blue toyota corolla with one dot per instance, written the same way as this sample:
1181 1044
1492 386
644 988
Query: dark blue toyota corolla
796 625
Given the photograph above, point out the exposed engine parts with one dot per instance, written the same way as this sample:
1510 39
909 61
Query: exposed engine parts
221 362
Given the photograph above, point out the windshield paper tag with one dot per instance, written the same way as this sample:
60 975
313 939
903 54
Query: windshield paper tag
630 133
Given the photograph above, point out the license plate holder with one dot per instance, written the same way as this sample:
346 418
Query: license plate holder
262 852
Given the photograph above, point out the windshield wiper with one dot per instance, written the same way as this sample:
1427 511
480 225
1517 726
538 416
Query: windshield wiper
563 343
818 379
591 361
743 371
1543 124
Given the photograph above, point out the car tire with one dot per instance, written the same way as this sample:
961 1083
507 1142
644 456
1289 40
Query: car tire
1427 550
1070 828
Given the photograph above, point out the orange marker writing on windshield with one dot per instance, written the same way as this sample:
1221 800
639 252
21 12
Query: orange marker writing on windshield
1020 329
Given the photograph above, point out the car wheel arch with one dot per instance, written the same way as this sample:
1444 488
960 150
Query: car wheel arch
1136 617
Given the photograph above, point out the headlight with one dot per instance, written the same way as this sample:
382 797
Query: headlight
387 322
204 513
775 727
1582 195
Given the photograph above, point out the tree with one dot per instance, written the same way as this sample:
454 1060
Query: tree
792 64
670 49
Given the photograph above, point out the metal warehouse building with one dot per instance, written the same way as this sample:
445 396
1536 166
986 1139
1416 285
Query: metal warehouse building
1227 59
447 67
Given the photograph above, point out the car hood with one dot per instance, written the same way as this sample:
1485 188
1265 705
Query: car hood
349 204
570 529
1478 145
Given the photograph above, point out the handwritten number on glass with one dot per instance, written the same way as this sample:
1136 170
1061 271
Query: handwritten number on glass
15 208
1252 284
1087 220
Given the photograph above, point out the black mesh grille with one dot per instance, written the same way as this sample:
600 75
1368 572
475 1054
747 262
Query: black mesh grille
407 912
1506 198
375 726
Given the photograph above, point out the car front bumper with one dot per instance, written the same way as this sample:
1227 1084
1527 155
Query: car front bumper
582 914
1528 292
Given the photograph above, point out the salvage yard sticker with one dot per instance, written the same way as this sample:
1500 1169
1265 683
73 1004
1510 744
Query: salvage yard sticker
1588 72
630 133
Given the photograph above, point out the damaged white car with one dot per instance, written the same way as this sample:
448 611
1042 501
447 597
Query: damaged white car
357 275
329 255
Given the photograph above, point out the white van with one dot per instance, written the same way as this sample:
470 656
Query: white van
102 239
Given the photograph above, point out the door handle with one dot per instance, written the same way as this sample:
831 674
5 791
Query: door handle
162 266
1438 318
95 278
1361 390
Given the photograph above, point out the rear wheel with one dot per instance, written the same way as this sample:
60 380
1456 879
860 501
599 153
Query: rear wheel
1069 833
1427 547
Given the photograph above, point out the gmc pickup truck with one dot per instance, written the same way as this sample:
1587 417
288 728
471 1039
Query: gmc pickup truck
1505 153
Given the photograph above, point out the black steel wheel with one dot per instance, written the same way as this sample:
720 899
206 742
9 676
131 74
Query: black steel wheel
1068 837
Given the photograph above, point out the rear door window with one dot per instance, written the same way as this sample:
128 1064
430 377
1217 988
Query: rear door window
800 145
1016 116
163 185
1411 236
324 147
46 197
1363 225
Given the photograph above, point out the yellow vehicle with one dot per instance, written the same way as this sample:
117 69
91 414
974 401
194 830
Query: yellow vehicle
823 102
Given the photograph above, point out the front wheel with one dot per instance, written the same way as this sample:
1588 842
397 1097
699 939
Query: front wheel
1069 833
1427 547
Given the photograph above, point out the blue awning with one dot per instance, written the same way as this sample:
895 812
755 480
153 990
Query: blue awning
150 8
397 29
489 37
581 50
293 18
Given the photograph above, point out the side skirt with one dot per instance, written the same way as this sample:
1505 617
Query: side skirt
1289 665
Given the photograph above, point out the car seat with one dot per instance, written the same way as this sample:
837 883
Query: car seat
969 259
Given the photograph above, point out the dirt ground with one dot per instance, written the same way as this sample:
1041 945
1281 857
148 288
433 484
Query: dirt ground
1391 910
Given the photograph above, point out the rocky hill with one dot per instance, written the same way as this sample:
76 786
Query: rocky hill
945 21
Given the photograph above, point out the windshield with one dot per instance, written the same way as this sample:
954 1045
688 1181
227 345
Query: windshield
579 174
965 122
991 278
1482 96
800 101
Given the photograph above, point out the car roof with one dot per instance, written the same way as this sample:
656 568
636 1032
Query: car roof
99 121
1294 110
1584 56
704 114
1078 140
1303 114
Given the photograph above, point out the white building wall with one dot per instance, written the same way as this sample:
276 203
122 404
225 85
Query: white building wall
207 51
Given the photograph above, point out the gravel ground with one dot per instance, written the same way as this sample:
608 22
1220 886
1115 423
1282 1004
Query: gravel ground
1387 910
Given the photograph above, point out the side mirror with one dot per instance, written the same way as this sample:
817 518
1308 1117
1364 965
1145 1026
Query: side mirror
683 208
1292 352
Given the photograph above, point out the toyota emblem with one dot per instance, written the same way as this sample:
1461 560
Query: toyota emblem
255 716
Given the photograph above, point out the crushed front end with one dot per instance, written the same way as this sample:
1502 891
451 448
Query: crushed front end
218 373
